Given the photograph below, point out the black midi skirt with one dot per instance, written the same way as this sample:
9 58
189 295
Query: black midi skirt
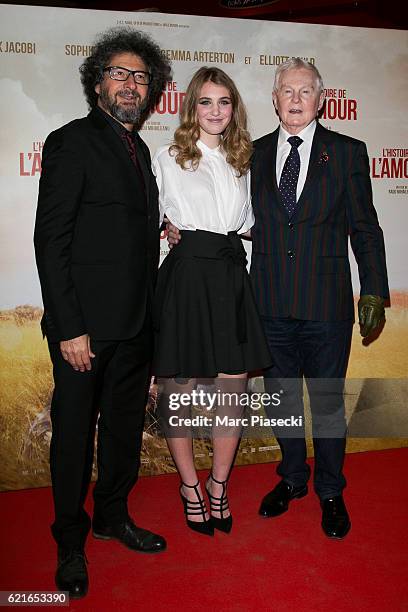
205 318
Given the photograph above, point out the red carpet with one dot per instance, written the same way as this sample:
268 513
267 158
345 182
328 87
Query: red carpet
277 564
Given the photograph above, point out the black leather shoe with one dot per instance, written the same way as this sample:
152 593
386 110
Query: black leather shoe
131 536
276 502
72 575
335 519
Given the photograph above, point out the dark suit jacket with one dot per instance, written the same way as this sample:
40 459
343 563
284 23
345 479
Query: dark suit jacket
96 234
300 265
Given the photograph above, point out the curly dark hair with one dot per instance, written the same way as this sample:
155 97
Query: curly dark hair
125 40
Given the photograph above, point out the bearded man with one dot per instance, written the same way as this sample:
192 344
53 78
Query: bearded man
97 250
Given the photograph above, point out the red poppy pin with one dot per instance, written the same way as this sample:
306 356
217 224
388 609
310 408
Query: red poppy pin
324 158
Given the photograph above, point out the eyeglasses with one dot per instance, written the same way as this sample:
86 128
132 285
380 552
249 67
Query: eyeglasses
117 73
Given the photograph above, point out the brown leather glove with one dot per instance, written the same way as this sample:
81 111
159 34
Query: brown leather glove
370 313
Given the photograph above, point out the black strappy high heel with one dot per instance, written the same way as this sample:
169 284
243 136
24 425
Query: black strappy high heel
191 508
219 504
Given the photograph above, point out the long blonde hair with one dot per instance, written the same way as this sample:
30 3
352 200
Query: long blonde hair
236 140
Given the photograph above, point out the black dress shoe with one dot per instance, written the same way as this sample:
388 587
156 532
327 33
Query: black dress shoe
131 536
72 575
276 502
335 519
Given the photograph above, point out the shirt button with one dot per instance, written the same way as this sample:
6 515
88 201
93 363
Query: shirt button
291 254
290 225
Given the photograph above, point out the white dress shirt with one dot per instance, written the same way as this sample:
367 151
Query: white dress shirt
211 198
304 153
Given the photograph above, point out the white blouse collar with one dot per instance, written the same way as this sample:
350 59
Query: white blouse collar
207 150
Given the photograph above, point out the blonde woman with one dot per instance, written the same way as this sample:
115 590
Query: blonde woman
206 319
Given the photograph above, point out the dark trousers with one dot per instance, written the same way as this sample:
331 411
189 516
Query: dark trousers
115 389
319 352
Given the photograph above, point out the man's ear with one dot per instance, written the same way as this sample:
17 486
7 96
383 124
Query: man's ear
321 100
274 98
98 88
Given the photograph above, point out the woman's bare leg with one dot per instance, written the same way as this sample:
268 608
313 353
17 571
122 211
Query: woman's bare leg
181 448
226 438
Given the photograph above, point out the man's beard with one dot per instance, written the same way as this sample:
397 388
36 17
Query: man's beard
123 113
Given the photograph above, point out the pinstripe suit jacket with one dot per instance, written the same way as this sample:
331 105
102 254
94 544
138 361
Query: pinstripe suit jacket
300 265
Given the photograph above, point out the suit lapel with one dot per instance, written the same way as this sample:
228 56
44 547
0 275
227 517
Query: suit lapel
321 141
117 148
272 160
269 169
144 164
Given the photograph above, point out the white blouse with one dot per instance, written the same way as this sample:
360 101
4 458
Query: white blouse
211 198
